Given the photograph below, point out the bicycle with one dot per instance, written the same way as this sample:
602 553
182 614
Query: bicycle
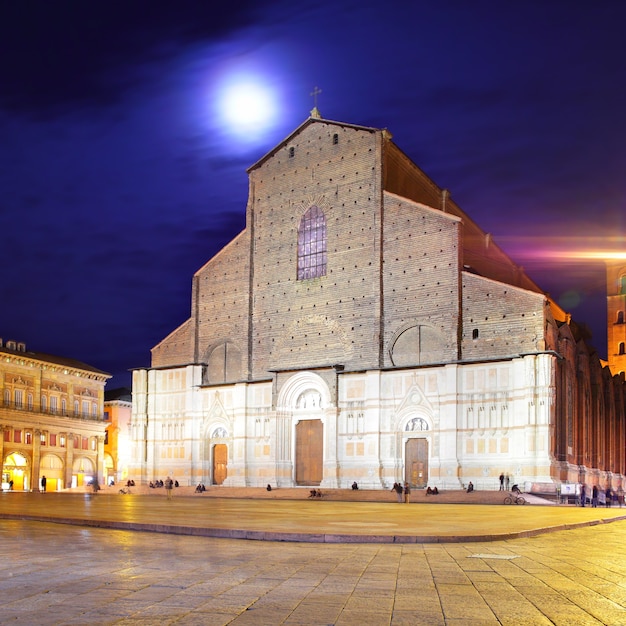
512 498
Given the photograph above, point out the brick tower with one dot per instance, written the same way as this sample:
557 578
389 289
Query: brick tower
616 310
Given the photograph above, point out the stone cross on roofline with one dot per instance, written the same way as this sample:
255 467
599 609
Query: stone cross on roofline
315 112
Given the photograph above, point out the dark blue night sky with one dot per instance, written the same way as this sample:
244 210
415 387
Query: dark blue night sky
123 163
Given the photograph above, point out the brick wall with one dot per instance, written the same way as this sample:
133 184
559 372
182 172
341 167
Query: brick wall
333 318
500 320
221 304
176 348
421 283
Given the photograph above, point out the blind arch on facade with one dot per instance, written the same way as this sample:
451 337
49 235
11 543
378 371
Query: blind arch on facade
312 244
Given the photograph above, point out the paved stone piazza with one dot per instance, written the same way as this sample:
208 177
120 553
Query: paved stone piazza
357 562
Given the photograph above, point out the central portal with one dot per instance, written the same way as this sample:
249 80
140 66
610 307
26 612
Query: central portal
416 462
309 452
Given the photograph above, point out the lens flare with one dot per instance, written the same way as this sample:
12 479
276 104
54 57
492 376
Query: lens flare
566 249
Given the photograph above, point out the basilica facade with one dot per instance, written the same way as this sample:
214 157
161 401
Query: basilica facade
363 328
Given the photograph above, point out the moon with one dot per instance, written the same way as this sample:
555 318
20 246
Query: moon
248 107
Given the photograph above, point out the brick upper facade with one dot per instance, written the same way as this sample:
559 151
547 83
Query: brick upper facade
410 279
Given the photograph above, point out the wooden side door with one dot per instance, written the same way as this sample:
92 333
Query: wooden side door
416 463
220 463
309 452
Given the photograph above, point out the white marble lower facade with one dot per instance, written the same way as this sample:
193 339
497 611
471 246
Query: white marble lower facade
440 426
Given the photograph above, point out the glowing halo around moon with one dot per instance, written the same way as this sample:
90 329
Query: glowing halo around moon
247 106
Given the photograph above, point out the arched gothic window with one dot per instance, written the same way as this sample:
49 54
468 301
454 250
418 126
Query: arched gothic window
620 317
312 244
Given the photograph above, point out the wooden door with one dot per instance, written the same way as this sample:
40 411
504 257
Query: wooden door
416 463
220 463
309 452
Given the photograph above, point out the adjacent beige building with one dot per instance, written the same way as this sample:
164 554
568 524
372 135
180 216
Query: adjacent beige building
117 414
51 417
363 328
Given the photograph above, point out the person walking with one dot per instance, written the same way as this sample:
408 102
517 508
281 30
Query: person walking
407 493
43 483
501 482
594 496
397 487
169 484
583 495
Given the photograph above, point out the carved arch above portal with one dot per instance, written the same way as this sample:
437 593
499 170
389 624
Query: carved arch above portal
304 391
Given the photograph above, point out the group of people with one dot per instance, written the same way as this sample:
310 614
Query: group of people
315 493
403 492
604 497
200 488
432 491
159 483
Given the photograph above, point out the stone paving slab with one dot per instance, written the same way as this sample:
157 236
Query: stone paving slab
303 520
60 575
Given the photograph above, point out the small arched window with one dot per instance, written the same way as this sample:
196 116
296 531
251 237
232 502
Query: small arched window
312 244
475 333
620 317
621 348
